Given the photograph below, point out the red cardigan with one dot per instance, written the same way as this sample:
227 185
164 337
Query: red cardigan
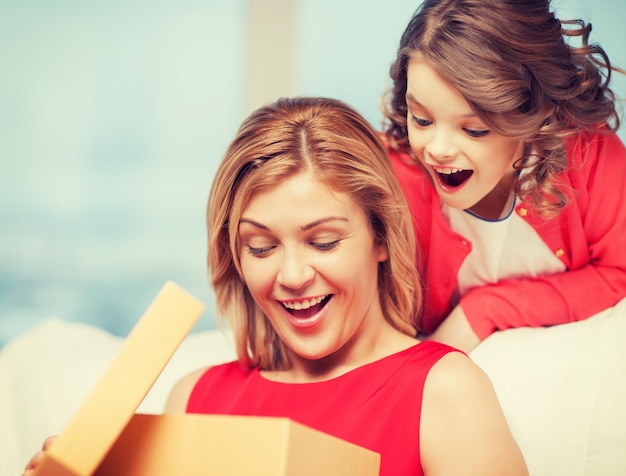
589 236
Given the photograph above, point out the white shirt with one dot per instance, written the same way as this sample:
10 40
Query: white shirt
505 248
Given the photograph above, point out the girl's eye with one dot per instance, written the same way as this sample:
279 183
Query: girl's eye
325 246
476 133
420 122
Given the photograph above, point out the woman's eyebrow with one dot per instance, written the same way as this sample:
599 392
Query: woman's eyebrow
306 227
254 223
321 221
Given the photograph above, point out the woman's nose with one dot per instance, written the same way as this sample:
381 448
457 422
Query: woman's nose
295 272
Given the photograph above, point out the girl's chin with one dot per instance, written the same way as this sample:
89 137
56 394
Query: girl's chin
454 201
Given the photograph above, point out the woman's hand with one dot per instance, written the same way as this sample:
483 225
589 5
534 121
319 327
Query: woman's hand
455 331
35 461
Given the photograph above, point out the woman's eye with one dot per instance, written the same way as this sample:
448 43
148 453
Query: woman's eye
259 252
325 246
420 122
476 133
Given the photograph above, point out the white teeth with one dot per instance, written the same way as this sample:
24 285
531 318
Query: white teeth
446 171
299 305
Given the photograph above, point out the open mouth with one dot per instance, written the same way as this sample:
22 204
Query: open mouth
306 308
451 177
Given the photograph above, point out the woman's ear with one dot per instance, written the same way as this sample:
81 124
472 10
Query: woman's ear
382 252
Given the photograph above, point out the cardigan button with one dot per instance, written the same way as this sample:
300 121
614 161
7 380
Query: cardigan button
559 253
523 211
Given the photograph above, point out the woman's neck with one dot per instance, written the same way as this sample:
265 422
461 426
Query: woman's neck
352 355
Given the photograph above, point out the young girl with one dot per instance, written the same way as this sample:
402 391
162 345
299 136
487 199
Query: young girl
502 134
312 258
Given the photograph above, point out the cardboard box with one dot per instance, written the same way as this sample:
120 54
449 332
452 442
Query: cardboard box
190 445
107 437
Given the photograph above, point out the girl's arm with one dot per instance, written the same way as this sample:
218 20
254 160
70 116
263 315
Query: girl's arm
589 236
463 429
455 331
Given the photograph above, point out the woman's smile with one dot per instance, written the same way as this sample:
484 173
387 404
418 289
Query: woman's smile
310 261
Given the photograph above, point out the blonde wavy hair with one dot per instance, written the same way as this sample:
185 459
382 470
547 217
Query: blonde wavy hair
334 142
510 60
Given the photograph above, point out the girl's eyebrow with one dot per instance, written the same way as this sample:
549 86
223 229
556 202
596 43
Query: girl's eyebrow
306 227
415 102
409 98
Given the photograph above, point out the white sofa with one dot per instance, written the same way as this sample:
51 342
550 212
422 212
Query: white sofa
563 389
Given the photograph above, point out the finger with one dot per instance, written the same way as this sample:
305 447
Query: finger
47 442
35 460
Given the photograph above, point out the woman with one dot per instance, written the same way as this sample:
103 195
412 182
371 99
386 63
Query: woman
312 258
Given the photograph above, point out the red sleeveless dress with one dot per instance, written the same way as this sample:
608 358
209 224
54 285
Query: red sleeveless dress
376 406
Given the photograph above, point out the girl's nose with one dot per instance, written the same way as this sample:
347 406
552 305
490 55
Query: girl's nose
441 147
295 272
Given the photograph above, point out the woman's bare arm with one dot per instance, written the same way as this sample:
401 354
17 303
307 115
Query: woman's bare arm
179 396
463 428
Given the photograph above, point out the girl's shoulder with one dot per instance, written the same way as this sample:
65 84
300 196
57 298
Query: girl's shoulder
413 179
588 147
402 160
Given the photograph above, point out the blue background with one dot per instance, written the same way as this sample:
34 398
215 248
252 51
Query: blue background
114 116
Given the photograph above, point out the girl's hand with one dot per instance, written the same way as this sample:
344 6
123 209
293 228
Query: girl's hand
35 461
455 331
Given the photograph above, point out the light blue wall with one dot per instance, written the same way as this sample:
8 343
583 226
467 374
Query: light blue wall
114 115
347 54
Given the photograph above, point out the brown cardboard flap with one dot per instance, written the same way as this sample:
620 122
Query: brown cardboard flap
166 445
109 407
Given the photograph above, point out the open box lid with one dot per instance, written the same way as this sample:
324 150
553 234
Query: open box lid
109 407
107 437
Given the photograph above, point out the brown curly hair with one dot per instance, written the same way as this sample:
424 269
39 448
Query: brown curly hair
513 63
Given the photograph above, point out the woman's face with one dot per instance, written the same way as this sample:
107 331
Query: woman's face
470 165
310 261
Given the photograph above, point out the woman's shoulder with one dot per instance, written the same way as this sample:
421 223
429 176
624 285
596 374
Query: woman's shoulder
462 415
421 360
456 382
179 395
455 371
181 391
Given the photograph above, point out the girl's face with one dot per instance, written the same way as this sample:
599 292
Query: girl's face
470 165
310 261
